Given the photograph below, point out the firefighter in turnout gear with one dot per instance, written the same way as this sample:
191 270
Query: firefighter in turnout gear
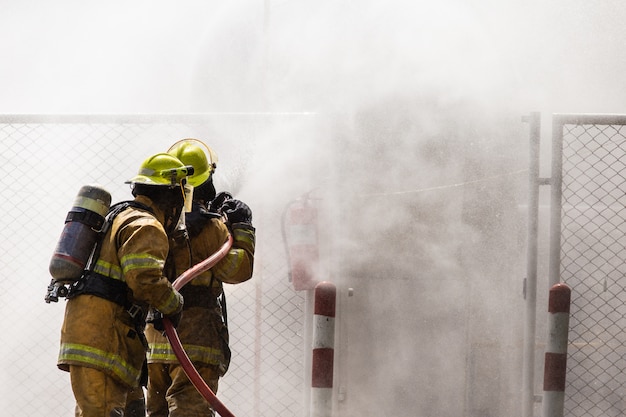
203 329
102 342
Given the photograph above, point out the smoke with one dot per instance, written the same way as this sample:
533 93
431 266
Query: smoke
152 57
427 171
336 56
402 116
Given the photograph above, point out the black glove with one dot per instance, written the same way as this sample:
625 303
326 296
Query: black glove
218 201
236 211
156 318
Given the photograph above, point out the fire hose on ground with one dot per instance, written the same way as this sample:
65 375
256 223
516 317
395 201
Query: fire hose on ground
174 340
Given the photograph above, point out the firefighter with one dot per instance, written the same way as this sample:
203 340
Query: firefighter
102 341
203 329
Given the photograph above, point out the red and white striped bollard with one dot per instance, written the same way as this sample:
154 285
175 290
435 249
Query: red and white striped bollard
555 367
323 349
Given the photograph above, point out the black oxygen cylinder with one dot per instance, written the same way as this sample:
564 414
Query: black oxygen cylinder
80 233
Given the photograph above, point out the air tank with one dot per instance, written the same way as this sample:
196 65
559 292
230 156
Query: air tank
80 233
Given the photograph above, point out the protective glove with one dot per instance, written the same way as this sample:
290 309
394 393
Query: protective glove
156 318
218 201
236 211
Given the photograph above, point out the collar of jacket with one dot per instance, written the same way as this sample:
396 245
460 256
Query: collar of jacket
158 213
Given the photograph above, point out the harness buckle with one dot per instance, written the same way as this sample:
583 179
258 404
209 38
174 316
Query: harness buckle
135 311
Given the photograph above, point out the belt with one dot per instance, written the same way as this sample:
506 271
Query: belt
108 288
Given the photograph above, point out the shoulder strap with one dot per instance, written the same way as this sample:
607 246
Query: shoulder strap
117 208
114 210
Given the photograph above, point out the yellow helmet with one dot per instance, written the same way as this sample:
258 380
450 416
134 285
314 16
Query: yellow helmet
162 169
190 152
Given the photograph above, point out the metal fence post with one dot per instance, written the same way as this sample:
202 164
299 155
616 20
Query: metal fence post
556 201
530 283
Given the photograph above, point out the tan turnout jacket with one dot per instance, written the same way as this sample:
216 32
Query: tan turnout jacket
99 333
202 330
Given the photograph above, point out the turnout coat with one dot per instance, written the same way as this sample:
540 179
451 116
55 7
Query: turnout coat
99 333
202 329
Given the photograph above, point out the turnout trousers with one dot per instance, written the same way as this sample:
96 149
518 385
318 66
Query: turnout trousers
97 394
171 393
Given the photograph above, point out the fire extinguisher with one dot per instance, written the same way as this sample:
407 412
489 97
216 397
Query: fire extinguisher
81 233
300 234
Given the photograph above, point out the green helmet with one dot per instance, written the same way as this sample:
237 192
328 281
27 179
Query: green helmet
190 152
162 169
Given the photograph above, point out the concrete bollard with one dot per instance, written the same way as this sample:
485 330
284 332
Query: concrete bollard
555 367
323 349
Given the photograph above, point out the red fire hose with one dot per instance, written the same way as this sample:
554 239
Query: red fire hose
177 346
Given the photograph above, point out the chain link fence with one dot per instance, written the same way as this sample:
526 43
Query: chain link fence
593 264
46 159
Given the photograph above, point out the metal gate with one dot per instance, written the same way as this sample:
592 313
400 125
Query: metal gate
587 252
44 162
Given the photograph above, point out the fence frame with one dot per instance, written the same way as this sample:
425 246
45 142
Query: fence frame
555 181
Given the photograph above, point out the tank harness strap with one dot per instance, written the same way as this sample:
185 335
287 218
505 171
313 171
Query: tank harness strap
88 217
110 289
115 291
114 210
102 286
